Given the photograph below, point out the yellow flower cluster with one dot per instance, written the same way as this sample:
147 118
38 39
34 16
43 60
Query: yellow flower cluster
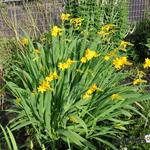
124 44
89 54
65 17
45 85
138 81
90 91
106 30
116 97
147 63
77 22
107 27
138 78
66 65
24 41
120 62
56 31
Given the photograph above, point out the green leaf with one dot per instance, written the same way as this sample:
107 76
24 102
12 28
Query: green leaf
6 138
10 140
76 139
106 142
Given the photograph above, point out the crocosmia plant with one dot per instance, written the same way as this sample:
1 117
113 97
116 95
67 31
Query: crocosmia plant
70 87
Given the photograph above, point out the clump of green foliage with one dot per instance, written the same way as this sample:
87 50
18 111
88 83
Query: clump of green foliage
140 38
101 12
68 93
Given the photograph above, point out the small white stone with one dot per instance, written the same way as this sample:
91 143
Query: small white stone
147 138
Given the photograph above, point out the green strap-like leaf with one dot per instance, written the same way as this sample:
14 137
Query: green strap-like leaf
10 140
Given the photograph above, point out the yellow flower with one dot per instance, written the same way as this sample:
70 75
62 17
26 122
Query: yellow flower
24 41
44 86
138 81
111 54
106 30
89 91
147 63
86 96
124 60
89 55
55 75
49 78
52 76
117 63
66 65
63 66
83 60
56 31
116 97
124 44
64 17
70 62
120 62
107 27
93 88
106 57
102 33
73 119
76 21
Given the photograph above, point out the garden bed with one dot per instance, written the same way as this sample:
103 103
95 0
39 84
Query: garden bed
76 86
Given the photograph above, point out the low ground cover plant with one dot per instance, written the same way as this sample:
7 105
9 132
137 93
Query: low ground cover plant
69 89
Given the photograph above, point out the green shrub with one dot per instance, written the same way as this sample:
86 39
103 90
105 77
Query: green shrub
8 56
